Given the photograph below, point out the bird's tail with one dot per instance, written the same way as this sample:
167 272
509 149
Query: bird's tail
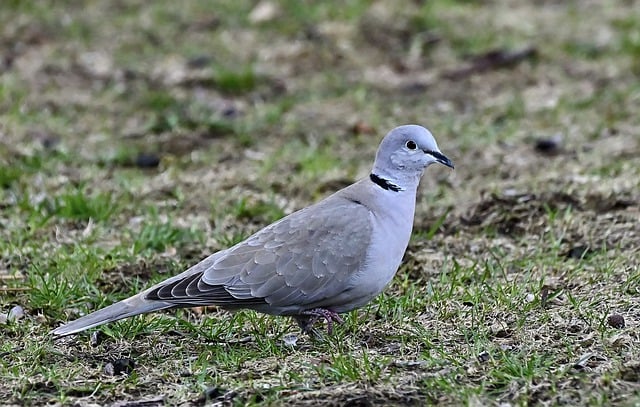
126 308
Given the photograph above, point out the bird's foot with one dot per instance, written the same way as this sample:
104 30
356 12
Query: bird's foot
310 317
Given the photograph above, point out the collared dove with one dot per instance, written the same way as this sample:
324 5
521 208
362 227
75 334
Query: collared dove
329 258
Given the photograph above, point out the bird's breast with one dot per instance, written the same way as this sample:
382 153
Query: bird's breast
390 236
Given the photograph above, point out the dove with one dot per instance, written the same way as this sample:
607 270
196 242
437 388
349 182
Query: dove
321 261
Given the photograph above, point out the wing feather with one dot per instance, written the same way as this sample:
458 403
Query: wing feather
303 259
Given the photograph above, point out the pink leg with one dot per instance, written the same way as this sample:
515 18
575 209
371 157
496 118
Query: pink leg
310 317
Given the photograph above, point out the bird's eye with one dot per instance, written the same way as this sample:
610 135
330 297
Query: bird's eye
411 145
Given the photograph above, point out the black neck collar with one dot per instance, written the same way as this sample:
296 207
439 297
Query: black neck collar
383 183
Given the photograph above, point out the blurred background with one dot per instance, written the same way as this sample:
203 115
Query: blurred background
137 137
128 82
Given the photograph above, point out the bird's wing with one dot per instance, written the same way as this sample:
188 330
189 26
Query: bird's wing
304 258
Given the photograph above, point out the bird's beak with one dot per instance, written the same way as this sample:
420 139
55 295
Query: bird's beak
441 158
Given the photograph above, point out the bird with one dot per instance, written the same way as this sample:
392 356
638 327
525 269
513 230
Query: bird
314 264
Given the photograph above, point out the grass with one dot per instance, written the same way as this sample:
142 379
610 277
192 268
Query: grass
518 259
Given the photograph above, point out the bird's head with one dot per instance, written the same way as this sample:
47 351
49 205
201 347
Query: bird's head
405 152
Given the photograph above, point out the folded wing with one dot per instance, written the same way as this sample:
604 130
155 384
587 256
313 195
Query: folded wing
301 260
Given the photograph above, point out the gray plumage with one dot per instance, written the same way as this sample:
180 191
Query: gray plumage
323 260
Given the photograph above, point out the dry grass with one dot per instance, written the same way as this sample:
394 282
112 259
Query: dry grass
137 138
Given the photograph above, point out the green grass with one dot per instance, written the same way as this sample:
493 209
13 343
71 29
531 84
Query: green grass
496 302
156 237
80 205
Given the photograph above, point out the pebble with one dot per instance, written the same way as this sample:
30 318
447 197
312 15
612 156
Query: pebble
119 366
616 321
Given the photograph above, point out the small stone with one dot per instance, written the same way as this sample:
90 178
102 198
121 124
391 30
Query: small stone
119 366
230 112
263 11
616 321
484 356
15 313
146 160
108 369
290 340
96 338
199 62
529 298
549 145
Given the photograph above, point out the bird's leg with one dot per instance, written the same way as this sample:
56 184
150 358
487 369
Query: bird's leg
309 317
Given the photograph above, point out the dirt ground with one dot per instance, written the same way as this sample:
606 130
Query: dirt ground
136 138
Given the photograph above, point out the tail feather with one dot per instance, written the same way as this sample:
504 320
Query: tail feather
126 308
